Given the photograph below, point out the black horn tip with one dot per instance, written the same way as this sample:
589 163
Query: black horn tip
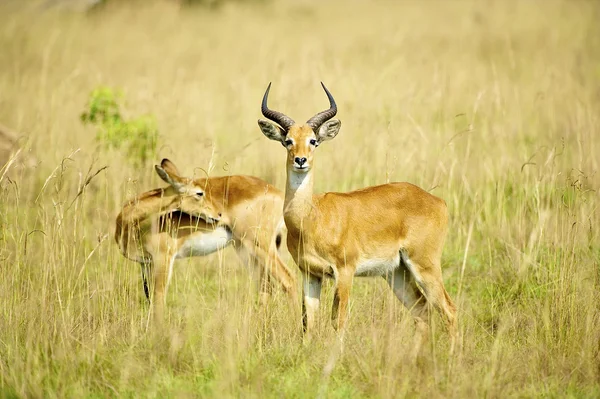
329 95
266 93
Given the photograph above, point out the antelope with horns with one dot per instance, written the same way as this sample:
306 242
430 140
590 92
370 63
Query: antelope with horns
394 230
197 217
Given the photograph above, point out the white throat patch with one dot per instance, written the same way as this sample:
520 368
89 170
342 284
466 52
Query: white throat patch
298 181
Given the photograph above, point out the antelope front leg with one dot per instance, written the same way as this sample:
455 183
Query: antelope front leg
310 303
339 310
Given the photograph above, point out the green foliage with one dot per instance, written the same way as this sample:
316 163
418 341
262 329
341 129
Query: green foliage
138 136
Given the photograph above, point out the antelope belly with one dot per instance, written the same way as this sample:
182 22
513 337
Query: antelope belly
377 267
204 243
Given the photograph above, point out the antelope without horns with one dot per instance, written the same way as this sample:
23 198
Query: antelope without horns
396 230
197 217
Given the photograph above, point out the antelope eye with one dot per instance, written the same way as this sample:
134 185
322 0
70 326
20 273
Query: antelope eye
199 193
313 142
288 143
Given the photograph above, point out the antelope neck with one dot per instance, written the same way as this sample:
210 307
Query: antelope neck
298 196
142 208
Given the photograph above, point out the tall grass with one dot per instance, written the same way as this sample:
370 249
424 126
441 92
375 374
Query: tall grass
491 105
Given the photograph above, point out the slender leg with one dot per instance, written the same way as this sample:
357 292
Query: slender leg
271 268
283 275
339 311
286 277
247 256
162 276
405 288
428 276
265 285
310 304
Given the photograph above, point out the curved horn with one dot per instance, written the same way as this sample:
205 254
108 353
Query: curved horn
283 120
316 121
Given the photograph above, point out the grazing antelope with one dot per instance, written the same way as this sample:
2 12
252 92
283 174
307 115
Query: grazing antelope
196 217
395 230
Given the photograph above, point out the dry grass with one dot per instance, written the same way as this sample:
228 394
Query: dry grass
492 105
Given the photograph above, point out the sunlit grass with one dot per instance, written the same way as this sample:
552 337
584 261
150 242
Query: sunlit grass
492 106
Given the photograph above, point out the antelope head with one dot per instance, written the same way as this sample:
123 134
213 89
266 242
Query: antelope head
300 140
189 193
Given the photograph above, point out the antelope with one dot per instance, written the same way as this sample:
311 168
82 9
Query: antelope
394 230
197 217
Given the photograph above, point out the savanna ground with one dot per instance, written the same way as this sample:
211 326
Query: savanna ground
491 105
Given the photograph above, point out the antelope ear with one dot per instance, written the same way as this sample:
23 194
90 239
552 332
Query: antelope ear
329 130
272 131
170 167
172 179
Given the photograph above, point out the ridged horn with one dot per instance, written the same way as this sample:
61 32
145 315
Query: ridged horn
283 120
316 121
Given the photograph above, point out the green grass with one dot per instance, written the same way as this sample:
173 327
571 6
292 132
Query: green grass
492 106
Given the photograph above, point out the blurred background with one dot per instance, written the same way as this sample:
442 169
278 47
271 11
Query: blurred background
491 105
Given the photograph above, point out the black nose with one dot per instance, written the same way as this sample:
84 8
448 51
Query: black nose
300 161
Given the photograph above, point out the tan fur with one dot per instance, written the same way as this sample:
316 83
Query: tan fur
153 228
341 234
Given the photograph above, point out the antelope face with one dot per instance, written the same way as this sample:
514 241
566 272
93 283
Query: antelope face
194 202
190 194
300 140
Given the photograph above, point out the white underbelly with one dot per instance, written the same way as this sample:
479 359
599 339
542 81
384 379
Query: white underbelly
205 243
377 267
